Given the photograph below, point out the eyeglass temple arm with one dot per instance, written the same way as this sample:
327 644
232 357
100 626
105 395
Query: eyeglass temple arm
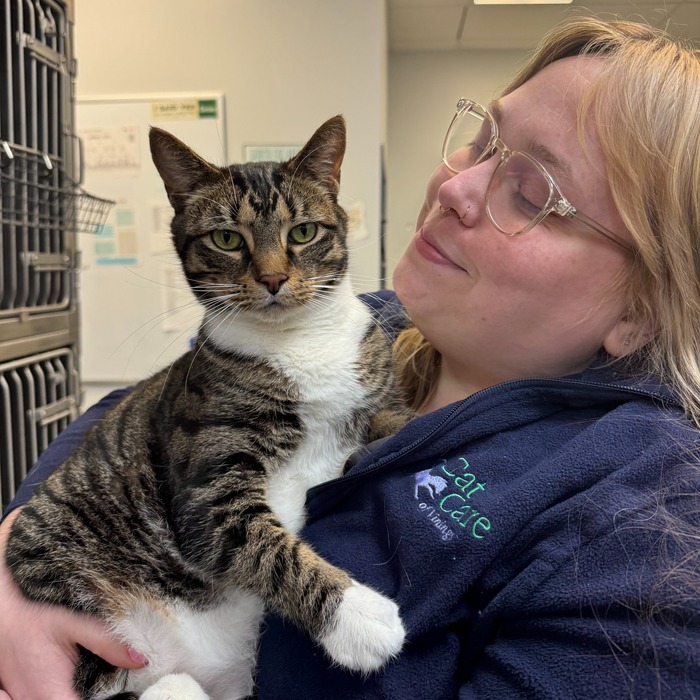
568 211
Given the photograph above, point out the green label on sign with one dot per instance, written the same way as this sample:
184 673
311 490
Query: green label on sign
207 109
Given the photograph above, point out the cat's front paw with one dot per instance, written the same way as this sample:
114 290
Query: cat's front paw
175 686
365 632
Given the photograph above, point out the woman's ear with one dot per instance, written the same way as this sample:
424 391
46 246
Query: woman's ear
627 336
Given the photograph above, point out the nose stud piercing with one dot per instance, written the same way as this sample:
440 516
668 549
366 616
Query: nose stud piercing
444 210
465 213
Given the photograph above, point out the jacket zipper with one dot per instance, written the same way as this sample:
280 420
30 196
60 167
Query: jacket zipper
535 381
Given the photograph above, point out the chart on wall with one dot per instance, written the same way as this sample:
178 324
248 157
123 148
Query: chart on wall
137 312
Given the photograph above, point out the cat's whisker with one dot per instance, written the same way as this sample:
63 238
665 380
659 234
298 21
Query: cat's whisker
329 276
221 221
197 196
223 311
218 307
233 190
326 281
323 296
222 306
155 282
224 317
361 245
207 293
322 279
357 279
199 283
191 364
191 331
151 324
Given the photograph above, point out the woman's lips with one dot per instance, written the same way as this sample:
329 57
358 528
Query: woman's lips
431 252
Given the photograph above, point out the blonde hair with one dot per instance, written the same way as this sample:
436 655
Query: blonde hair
646 106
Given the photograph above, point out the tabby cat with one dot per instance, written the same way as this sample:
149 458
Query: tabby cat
175 520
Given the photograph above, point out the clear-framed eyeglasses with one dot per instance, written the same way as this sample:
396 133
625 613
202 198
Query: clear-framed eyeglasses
521 192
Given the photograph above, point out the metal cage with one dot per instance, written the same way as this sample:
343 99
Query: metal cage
42 207
38 398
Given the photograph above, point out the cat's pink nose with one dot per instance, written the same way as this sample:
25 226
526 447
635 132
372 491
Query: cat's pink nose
274 281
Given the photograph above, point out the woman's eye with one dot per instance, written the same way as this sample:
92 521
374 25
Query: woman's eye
303 233
227 240
526 206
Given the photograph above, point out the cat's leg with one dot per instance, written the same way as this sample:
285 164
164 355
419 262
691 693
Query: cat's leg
359 628
230 533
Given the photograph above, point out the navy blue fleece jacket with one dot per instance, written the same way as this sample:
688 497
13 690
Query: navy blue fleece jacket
525 534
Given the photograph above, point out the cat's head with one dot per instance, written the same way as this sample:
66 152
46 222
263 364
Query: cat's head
264 238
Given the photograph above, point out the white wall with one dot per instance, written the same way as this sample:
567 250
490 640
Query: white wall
423 90
284 66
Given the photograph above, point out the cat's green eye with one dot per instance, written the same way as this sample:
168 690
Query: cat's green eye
303 233
227 240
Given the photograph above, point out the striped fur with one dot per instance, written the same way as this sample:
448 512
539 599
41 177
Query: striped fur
175 520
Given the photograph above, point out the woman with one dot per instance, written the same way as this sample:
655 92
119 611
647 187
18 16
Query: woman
537 524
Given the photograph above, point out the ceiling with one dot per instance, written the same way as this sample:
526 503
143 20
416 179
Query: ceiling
441 25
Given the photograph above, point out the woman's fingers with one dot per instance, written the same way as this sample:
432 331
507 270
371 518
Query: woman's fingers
92 635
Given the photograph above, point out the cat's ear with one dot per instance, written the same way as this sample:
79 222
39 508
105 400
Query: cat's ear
323 154
179 166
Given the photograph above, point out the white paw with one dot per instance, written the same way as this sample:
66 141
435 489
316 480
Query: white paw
176 686
366 630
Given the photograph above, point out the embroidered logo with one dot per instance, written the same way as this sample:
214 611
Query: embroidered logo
433 484
444 494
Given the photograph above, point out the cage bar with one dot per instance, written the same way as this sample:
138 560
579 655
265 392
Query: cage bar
39 396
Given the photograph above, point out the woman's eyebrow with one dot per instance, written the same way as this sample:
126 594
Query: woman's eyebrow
561 167
496 111
538 150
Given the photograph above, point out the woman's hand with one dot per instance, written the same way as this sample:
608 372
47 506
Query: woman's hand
38 643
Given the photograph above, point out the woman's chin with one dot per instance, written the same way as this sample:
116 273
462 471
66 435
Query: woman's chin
410 281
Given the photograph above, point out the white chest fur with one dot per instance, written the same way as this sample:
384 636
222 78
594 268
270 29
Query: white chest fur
319 353
322 453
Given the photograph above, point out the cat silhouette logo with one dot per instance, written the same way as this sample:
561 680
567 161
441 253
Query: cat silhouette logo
434 485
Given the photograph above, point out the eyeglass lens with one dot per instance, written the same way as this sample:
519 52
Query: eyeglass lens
519 191
517 194
471 134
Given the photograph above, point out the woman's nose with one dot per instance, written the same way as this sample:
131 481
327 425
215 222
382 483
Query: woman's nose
465 192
